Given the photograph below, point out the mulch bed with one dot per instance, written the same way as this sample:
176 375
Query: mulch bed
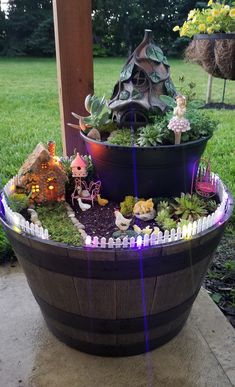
100 221
220 281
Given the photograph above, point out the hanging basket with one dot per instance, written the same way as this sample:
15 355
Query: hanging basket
215 53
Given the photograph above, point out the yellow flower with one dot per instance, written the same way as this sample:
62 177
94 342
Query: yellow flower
225 10
210 3
202 27
184 29
210 30
210 19
176 28
232 13
194 20
215 12
191 14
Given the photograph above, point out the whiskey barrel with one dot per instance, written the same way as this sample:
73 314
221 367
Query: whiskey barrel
116 302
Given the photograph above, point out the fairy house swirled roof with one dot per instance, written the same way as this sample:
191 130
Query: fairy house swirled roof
144 78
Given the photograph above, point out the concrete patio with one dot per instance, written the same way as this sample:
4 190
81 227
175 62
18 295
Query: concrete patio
202 355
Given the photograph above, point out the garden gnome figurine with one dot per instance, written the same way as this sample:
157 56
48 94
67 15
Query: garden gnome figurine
178 123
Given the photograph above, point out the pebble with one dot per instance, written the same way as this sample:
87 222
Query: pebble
79 225
83 233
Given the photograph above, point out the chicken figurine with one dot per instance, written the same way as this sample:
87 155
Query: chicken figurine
122 223
101 201
83 206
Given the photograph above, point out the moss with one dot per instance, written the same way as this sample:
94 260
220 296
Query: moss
54 217
18 201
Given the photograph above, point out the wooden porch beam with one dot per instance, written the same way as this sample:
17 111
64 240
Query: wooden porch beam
73 37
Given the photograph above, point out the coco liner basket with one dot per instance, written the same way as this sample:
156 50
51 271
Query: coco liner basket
117 302
215 53
144 171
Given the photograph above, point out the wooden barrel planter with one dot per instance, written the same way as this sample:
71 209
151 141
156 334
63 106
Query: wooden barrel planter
215 53
144 171
116 302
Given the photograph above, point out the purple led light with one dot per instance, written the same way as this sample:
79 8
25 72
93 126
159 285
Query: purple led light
2 209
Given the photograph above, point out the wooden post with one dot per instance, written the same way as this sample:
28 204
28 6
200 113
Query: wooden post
209 89
73 36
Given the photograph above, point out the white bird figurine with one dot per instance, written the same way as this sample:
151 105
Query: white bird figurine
122 223
83 206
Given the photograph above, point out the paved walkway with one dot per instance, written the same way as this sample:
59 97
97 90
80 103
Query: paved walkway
202 355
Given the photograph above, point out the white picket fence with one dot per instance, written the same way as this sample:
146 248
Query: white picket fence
186 232
17 220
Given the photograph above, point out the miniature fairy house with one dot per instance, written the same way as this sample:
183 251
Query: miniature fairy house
143 79
79 166
42 175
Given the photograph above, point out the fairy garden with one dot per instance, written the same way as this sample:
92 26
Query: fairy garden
142 181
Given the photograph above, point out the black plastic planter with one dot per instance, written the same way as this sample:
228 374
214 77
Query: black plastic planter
116 302
144 171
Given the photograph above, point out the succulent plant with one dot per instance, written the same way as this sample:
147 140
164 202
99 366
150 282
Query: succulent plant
168 224
126 207
163 205
189 207
98 117
211 205
162 216
151 135
121 137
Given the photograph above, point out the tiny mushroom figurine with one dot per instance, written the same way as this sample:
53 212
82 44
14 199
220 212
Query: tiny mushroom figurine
178 123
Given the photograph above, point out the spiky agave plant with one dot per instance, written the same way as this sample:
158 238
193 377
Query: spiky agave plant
189 207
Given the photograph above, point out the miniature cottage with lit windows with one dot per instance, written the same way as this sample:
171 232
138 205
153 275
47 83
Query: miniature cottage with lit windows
144 78
42 175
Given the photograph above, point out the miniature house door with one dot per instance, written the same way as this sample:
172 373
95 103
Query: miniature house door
52 189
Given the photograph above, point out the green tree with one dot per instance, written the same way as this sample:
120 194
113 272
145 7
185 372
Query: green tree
29 29
2 29
119 26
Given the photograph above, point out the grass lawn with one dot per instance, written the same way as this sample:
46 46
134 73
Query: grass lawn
29 109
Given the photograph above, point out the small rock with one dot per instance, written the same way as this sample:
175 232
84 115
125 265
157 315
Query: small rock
34 218
79 225
83 233
31 211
